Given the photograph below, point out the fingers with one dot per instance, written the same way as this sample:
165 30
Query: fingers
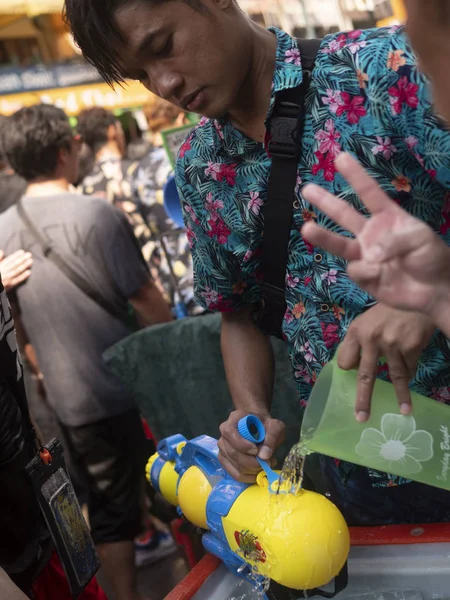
373 197
232 436
400 377
336 244
238 456
340 211
275 436
412 237
367 374
364 272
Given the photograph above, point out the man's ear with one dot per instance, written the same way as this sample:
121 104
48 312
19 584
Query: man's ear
112 133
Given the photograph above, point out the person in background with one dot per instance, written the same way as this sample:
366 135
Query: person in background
110 177
11 185
27 556
395 257
69 330
170 258
365 97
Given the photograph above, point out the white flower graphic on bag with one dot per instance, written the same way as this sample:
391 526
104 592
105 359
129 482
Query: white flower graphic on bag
398 448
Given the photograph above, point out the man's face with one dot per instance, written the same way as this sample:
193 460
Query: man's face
197 60
429 31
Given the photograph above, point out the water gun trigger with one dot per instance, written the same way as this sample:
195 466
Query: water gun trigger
252 429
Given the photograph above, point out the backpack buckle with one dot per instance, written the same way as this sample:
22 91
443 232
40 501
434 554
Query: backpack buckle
284 131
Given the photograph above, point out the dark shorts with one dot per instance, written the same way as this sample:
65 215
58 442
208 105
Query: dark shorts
365 505
110 458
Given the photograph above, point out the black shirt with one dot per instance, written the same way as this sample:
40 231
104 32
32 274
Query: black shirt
25 543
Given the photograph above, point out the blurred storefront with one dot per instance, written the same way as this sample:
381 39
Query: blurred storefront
372 13
302 18
40 63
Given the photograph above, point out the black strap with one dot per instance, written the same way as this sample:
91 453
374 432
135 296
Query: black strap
286 131
278 592
50 253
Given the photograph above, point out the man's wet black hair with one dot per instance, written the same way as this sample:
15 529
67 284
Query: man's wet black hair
33 138
94 30
93 126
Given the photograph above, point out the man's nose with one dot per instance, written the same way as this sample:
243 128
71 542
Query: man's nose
168 85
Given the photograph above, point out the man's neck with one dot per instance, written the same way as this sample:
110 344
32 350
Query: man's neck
250 111
109 152
51 187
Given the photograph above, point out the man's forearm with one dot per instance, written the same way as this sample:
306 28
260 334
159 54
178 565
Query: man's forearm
249 362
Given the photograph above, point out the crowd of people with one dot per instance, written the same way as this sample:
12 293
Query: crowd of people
368 266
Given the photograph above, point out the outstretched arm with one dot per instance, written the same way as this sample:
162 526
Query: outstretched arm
395 257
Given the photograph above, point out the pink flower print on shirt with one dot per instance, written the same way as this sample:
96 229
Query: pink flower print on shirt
328 139
298 184
227 172
330 334
354 35
333 99
325 164
335 45
353 106
293 56
213 206
213 170
255 203
307 352
292 281
185 148
190 211
191 237
218 128
384 147
404 93
329 276
219 230
355 47
248 255
441 394
211 297
411 142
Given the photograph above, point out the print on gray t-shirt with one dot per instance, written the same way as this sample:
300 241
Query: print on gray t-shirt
68 330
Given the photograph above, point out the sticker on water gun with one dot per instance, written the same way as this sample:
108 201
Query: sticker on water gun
250 547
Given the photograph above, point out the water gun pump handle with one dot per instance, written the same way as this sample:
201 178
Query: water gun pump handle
252 429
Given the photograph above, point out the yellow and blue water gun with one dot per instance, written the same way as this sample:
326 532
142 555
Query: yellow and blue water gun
300 541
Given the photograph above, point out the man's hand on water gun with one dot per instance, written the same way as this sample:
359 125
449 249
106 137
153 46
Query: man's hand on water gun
238 456
395 257
15 268
396 335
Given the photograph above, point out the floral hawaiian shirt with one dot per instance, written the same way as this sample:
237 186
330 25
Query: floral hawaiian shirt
367 98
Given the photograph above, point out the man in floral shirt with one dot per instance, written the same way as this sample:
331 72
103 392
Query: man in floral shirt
366 97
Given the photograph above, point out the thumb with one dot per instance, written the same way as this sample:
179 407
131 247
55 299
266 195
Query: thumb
275 436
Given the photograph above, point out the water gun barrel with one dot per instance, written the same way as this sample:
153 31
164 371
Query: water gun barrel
301 541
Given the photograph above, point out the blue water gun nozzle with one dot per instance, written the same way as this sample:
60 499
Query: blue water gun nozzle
252 429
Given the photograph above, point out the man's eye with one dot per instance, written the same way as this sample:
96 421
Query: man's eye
166 48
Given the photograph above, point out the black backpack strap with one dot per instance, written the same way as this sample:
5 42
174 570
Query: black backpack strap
278 592
286 131
50 253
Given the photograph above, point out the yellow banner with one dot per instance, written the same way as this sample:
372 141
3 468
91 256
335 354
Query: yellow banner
30 7
75 99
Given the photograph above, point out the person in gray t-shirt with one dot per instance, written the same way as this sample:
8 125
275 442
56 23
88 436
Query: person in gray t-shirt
69 331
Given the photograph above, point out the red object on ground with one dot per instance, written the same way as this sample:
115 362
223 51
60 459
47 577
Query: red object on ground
360 536
184 540
148 432
196 578
430 533
52 584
